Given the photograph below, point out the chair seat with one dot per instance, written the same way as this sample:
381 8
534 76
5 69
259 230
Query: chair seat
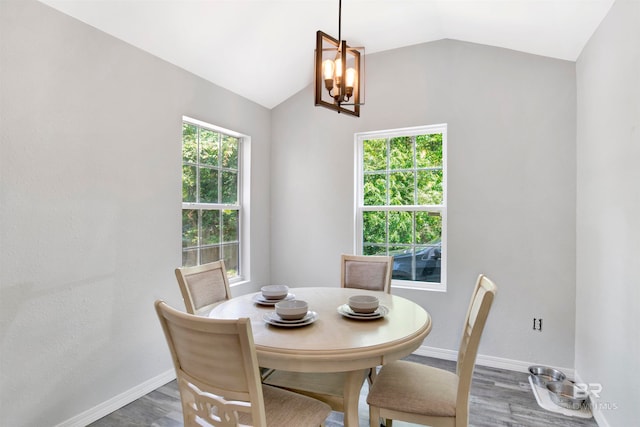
415 388
288 409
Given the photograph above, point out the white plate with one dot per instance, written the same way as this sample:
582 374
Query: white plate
346 311
273 319
259 299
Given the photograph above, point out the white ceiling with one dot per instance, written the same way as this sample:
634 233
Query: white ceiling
263 49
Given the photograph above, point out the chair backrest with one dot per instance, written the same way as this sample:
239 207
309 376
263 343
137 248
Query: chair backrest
366 272
481 301
203 286
216 367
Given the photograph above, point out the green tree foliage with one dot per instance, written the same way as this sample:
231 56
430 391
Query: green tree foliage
210 173
401 171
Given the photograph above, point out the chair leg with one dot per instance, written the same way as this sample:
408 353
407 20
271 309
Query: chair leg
375 420
374 416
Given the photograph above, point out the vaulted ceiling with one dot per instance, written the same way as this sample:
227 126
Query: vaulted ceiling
263 49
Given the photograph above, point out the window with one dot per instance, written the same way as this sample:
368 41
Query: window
401 202
211 196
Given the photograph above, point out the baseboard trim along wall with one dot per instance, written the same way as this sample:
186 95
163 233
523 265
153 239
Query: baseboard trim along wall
490 361
512 365
117 402
140 390
598 414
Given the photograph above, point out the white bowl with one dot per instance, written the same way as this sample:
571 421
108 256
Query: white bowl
294 309
275 291
363 303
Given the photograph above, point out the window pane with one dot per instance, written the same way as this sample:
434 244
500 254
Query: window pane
375 154
189 228
229 152
429 150
188 183
375 189
428 228
231 259
208 185
374 227
210 254
374 250
403 262
401 153
209 145
210 227
230 226
401 188
229 187
430 187
427 262
401 227
189 143
419 264
189 257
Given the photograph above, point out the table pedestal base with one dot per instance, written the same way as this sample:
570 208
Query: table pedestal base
340 390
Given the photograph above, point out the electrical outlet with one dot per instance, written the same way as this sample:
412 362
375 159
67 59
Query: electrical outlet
537 324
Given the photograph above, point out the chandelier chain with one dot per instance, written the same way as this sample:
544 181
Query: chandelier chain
340 21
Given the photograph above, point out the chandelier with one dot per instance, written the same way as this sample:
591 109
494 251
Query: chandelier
339 72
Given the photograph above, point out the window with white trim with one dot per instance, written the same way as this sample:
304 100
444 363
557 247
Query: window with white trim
211 196
401 205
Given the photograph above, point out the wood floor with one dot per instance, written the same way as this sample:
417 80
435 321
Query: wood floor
498 398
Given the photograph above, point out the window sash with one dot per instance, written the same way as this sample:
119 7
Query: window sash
438 209
222 245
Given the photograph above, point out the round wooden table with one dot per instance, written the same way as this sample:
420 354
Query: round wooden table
333 343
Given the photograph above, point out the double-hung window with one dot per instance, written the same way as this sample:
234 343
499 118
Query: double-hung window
401 205
211 196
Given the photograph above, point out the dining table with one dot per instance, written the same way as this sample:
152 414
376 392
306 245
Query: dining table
333 340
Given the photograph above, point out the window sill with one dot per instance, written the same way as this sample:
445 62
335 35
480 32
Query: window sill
419 286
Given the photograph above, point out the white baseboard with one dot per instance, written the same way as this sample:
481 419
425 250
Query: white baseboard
117 402
598 414
509 364
490 361
140 390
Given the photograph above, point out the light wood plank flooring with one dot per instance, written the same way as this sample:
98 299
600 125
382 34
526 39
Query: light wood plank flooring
498 398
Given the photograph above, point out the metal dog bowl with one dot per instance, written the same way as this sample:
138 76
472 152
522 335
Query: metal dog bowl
541 375
567 394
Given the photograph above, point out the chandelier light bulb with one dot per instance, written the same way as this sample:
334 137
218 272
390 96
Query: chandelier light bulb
351 77
338 67
328 68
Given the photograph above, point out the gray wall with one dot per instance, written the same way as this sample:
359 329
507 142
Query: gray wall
608 213
511 148
90 223
90 200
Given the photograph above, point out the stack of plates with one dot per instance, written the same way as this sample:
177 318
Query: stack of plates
260 299
346 311
272 318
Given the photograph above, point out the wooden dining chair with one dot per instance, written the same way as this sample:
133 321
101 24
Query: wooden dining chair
366 272
218 378
203 286
371 272
421 394
362 272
